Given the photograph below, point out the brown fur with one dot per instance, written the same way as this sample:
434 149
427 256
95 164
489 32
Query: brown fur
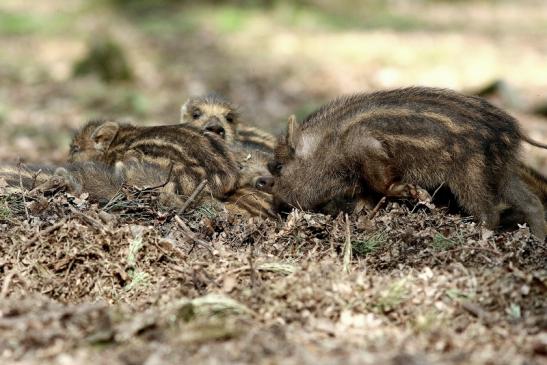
96 179
145 175
190 155
216 114
136 164
99 181
252 197
253 147
26 176
251 202
212 113
536 182
386 140
93 178
256 139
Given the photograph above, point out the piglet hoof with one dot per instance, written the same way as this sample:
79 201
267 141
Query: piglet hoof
409 191
417 193
422 195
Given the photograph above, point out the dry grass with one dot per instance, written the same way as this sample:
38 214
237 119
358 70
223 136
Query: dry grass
268 291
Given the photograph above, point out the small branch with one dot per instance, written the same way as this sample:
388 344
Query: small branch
347 248
251 260
48 230
119 195
34 178
7 282
23 190
477 311
377 208
95 223
436 191
162 184
469 249
191 198
189 234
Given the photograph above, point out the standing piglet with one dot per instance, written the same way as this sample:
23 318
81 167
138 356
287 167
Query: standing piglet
392 142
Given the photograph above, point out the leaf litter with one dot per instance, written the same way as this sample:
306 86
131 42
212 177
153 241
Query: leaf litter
132 284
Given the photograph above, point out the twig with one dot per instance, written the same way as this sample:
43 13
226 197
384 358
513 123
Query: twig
24 192
48 230
469 249
251 260
191 198
189 234
119 195
95 223
7 282
162 184
477 311
376 208
436 191
34 178
347 248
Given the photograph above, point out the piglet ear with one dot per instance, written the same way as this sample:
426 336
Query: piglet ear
183 111
104 134
292 124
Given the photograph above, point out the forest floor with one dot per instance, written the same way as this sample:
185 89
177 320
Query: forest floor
137 284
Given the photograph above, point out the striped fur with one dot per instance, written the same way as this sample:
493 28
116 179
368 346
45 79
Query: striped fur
253 147
25 176
214 110
144 156
190 155
389 142
96 179
213 113
536 182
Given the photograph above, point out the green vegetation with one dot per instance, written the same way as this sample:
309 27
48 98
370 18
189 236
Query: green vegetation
442 243
230 16
5 211
427 321
12 23
138 278
115 99
514 311
370 244
456 294
106 59
392 297
206 210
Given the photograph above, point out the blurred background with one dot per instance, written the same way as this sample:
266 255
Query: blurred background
66 61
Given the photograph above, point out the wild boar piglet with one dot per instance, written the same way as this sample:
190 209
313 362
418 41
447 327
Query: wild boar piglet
394 142
216 114
190 155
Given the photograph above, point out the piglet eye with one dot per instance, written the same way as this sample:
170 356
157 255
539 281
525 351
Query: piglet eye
196 113
230 118
275 168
